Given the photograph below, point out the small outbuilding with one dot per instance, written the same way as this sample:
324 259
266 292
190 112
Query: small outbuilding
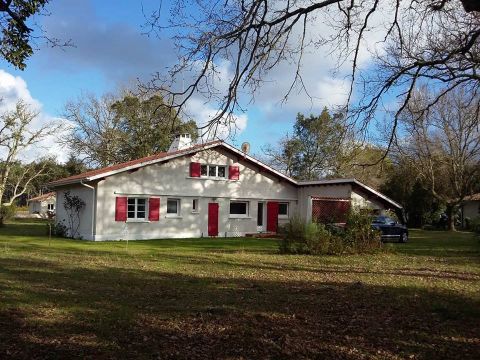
470 208
42 204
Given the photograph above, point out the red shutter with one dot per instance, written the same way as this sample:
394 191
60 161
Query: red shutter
195 169
272 216
154 209
233 172
120 209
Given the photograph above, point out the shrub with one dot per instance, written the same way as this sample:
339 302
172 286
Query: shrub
313 238
359 235
60 230
475 225
6 213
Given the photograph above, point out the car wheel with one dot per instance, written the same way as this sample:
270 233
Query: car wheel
404 238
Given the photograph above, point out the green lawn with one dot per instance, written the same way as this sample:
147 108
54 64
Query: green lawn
236 299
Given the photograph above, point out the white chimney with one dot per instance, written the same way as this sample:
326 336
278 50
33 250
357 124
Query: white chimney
181 142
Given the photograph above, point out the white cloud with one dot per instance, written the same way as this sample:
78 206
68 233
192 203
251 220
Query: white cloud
13 89
202 113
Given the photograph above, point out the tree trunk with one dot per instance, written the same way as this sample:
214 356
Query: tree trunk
450 217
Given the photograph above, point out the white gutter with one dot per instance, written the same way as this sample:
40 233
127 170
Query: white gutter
93 204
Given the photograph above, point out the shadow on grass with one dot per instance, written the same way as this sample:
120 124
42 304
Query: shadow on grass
52 311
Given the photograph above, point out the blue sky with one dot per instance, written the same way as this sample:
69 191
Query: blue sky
110 52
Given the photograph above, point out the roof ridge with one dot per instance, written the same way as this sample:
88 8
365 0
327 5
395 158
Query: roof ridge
125 164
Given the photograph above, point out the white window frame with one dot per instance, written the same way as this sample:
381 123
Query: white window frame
50 207
177 214
136 218
239 216
213 176
195 203
284 216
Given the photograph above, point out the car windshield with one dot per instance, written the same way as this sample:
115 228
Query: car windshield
382 220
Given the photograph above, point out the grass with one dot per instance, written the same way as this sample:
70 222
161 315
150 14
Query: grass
236 299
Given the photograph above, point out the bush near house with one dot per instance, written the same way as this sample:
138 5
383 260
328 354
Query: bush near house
357 237
474 225
7 212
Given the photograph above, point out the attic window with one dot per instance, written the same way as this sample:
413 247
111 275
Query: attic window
213 171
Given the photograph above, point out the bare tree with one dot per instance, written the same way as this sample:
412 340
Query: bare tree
21 179
18 133
434 41
112 129
443 145
95 132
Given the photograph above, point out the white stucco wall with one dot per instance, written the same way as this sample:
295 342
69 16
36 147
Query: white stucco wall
360 201
85 228
305 194
172 180
470 209
40 207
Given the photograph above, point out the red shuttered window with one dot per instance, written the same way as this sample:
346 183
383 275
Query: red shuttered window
154 209
234 172
121 209
195 169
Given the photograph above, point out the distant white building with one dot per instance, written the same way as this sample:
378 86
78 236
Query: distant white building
211 189
470 208
42 204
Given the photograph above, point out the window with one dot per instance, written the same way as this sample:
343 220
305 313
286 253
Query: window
137 208
283 209
173 207
221 171
50 207
238 208
215 171
195 205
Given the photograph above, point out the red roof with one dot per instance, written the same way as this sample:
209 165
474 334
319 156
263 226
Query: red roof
42 197
105 170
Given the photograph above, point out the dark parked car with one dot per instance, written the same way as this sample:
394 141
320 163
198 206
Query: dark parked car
390 229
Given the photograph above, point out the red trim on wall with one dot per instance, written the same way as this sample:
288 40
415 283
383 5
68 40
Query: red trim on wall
195 169
154 209
120 208
233 172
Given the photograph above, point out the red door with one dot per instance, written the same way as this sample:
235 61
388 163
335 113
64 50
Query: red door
272 216
212 219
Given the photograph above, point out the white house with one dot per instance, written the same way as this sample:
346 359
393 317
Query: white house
470 208
210 189
42 204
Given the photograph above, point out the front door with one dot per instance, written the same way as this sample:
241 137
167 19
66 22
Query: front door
260 220
272 216
213 219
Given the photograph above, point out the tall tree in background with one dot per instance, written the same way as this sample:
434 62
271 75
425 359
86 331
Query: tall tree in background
17 134
443 145
315 148
110 130
364 162
403 184
148 126
95 134
324 147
